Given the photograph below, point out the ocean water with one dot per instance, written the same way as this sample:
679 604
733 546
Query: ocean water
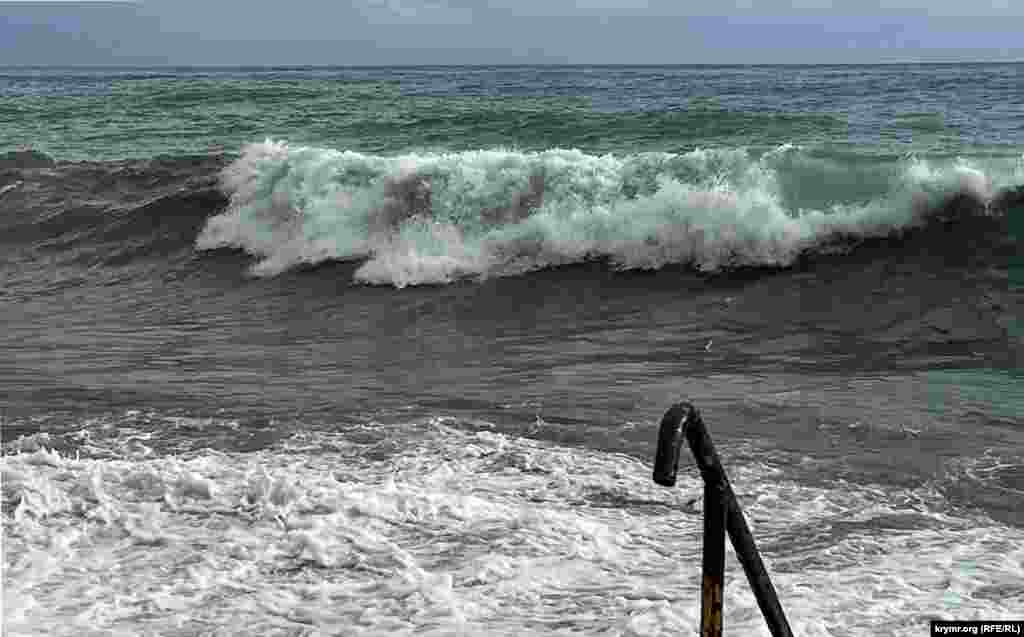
367 351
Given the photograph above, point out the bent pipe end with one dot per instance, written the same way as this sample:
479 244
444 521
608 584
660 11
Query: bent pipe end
671 434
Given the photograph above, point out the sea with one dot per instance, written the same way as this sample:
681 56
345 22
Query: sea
383 351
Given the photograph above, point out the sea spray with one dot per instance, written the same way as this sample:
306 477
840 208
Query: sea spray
434 218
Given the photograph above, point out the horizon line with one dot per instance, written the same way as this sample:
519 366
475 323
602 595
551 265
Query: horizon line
499 64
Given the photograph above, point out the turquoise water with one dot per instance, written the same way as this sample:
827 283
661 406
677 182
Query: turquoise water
935 110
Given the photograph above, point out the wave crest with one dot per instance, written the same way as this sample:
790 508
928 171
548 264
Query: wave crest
434 218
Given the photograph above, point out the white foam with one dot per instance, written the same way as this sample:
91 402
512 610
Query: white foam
467 533
433 218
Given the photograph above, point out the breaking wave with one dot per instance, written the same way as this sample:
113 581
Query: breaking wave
437 218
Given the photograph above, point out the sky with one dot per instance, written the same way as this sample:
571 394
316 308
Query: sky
396 32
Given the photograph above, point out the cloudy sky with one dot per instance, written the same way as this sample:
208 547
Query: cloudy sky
357 32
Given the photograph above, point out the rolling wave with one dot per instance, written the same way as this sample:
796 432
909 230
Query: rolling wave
437 218
104 208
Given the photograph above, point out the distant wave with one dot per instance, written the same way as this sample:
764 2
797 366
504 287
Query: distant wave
436 218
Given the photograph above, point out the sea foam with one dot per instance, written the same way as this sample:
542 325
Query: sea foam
465 532
435 218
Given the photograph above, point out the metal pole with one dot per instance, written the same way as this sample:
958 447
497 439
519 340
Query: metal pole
713 579
684 421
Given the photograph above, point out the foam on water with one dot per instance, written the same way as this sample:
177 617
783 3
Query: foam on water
434 218
434 529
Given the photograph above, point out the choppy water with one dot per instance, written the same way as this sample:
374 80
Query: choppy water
383 351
